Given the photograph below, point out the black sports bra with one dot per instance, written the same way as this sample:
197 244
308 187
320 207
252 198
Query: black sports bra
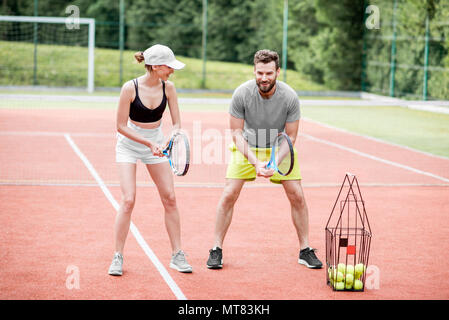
138 112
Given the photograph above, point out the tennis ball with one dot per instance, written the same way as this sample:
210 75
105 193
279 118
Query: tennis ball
340 276
341 267
359 270
358 285
348 286
349 269
340 286
349 279
334 275
331 273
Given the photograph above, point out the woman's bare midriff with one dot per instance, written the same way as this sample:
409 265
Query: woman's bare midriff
147 125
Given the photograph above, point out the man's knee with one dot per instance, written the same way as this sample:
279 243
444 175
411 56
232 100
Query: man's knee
230 195
296 198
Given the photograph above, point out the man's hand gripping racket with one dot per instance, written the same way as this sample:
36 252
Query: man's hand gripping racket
282 155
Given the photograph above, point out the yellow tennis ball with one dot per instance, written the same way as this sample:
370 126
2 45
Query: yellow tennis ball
329 272
348 286
350 269
340 276
334 275
359 270
358 285
349 279
341 267
340 286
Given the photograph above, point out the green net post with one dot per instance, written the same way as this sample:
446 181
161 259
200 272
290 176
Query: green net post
121 38
363 75
35 40
284 41
426 59
393 52
204 44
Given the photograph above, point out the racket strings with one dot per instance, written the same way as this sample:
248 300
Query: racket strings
180 154
283 154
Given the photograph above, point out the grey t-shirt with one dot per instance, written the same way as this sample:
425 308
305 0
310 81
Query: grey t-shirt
264 118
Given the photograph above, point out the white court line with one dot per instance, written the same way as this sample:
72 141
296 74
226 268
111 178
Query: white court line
55 133
107 135
146 248
376 139
328 143
218 185
366 155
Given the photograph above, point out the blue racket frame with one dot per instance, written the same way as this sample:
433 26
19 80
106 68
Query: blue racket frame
272 163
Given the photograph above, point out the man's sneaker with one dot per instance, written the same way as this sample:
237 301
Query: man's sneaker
116 268
307 257
179 262
215 260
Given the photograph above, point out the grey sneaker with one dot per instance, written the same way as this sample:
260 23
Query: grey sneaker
116 266
308 258
179 262
215 260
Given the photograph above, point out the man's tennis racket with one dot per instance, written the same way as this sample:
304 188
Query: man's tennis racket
178 153
282 155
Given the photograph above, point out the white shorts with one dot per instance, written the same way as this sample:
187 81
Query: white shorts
127 150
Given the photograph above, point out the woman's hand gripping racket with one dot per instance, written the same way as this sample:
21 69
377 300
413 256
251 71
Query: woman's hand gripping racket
178 153
282 155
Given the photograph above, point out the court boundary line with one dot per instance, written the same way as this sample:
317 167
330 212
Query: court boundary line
352 150
107 135
376 139
369 156
137 235
248 185
56 134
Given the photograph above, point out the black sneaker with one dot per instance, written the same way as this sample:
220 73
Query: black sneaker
308 258
215 260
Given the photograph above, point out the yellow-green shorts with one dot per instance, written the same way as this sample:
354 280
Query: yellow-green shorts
240 168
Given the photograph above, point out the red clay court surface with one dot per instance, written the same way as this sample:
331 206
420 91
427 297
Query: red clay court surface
58 223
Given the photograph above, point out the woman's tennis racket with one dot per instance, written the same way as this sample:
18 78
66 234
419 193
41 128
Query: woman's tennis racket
282 155
178 153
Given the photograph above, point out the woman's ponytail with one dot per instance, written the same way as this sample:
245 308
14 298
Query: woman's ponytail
139 56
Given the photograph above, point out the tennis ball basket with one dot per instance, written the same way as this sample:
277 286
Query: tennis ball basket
348 239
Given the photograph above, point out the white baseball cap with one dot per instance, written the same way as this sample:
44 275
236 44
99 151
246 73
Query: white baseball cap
161 55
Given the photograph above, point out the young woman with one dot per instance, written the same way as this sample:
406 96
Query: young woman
141 106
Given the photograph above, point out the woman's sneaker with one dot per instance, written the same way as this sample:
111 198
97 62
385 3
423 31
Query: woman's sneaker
116 268
179 262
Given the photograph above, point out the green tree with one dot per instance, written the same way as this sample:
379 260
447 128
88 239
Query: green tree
169 22
410 49
340 44
303 26
326 41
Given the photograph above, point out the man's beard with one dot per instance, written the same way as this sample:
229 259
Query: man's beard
266 89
